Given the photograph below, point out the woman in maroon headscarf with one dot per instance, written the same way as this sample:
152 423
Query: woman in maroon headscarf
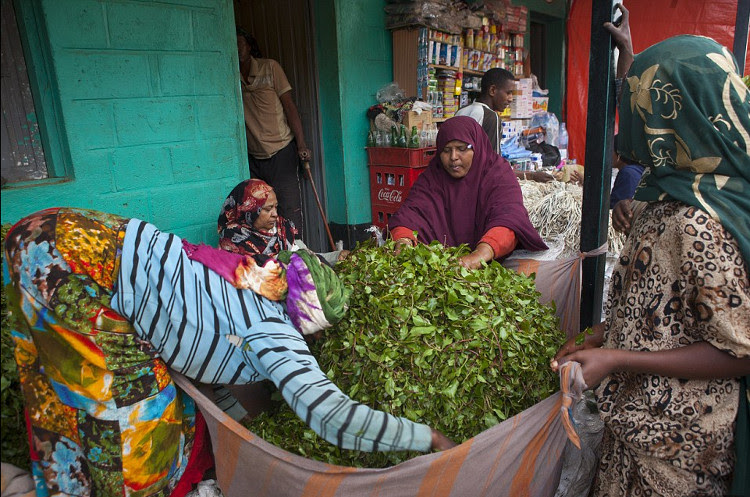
468 194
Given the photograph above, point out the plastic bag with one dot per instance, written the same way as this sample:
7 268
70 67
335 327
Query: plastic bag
580 465
549 122
550 153
390 93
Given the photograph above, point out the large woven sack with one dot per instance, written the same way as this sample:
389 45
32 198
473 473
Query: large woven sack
518 457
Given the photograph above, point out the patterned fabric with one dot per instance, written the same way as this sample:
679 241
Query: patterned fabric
317 299
239 212
685 115
103 414
242 271
210 331
680 279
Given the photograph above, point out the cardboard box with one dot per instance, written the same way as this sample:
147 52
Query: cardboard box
411 118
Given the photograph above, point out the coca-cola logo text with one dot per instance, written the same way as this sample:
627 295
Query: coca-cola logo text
389 196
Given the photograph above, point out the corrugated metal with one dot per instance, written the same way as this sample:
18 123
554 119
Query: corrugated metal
22 154
284 31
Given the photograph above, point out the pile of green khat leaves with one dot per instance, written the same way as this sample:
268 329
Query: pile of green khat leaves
456 349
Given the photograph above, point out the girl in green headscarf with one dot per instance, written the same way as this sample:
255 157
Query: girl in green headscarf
676 340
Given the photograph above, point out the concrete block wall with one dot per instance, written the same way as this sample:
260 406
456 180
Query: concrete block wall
150 106
349 82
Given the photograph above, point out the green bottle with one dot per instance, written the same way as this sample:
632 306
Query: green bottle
414 140
402 141
394 136
370 139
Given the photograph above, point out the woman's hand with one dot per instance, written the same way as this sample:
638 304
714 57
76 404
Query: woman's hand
588 339
623 41
622 215
474 260
596 363
401 243
471 261
441 442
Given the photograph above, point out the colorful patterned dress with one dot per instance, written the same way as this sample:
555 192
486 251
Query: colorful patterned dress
103 306
680 279
682 276
104 416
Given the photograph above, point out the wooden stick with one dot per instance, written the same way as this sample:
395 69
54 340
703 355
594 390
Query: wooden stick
306 165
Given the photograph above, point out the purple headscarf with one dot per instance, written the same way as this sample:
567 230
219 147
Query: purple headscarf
455 211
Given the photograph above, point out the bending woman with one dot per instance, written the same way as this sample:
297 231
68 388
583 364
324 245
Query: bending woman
468 194
102 306
676 340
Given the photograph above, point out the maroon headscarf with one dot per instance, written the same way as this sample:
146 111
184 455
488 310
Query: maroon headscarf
455 211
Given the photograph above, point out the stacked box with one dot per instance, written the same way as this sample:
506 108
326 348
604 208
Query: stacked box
420 120
392 173
522 106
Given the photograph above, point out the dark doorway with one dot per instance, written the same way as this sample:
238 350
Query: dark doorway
538 52
284 30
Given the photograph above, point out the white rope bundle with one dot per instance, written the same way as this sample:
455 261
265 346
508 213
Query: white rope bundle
555 211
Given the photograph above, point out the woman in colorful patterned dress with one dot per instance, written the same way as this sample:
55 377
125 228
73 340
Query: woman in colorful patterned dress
669 359
101 307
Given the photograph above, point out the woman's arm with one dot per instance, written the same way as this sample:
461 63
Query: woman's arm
697 361
404 237
497 242
623 41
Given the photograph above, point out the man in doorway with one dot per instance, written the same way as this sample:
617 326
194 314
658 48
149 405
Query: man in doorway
495 96
275 139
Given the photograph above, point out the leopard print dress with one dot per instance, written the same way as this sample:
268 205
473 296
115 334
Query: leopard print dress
680 279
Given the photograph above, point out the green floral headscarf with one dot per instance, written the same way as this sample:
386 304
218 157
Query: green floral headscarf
685 115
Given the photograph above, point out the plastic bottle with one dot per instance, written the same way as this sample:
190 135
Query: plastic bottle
433 134
402 140
414 139
562 142
424 136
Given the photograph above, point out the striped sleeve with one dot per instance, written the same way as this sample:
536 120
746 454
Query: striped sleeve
214 333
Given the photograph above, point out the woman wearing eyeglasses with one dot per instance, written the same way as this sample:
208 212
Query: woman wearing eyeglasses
468 194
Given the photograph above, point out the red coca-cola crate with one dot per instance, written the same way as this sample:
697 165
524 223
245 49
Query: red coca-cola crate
381 214
396 156
389 185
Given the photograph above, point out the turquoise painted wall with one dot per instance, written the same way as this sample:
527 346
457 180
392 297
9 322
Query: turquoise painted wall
355 61
151 112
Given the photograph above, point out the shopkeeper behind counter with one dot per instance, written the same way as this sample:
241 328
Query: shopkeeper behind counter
468 194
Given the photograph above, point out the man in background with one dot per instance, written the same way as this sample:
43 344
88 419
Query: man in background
275 139
495 96
627 179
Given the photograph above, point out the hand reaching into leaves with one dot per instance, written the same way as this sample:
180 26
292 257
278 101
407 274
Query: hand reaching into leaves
441 442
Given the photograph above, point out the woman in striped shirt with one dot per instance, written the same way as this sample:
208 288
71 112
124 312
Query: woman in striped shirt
101 306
